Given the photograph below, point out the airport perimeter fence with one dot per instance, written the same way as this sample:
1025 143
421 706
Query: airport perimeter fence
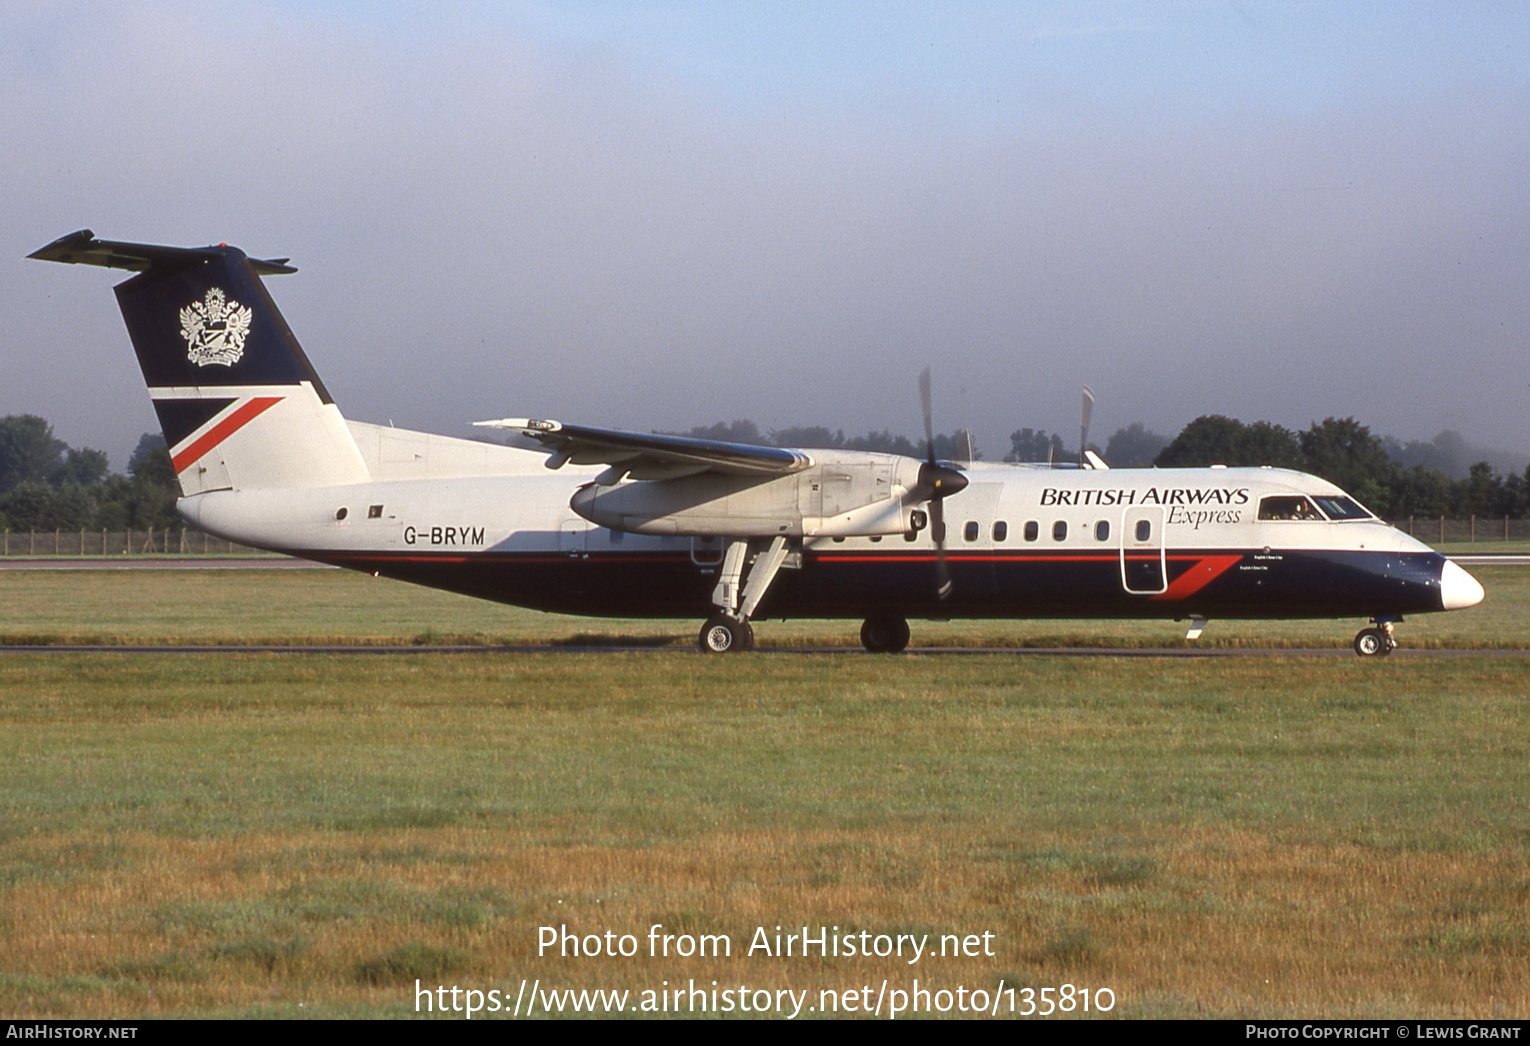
1442 531
155 541
184 541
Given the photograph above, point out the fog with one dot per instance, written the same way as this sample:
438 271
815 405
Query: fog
600 217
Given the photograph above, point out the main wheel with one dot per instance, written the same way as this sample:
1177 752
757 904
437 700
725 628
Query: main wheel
885 635
726 635
1373 642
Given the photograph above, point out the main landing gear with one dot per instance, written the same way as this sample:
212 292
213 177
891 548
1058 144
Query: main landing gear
728 630
726 635
884 635
1379 641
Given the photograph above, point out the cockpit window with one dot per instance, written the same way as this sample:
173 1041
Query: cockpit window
1340 508
1287 507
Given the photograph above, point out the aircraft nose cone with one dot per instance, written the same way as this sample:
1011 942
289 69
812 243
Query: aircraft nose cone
1458 589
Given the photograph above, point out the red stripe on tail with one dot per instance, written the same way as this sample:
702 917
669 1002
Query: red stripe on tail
240 417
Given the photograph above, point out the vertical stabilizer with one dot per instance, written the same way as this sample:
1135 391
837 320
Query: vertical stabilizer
239 403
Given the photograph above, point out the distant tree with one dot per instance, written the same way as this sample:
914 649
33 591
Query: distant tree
738 431
958 446
1515 495
1479 493
151 463
1344 452
1413 492
885 442
32 505
1134 446
1037 445
814 437
81 466
28 450
1216 440
147 498
1450 453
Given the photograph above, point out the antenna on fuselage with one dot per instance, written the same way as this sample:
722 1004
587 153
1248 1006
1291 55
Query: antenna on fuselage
1085 409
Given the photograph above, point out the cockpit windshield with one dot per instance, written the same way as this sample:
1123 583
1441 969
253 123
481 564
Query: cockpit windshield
1294 506
1287 506
1341 508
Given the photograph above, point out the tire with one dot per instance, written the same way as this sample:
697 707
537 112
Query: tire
725 635
1372 642
885 635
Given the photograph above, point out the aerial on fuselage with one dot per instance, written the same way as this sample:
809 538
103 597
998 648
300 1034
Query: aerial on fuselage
611 523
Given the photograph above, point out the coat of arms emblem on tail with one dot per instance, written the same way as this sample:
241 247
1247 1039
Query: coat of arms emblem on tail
215 329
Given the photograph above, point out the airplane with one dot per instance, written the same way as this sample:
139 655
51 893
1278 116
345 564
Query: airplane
610 523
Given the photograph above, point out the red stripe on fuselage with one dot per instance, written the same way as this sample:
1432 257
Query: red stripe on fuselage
1207 570
240 417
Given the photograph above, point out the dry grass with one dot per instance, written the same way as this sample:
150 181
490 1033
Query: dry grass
285 836
1208 923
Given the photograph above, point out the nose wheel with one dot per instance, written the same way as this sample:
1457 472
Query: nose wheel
1375 642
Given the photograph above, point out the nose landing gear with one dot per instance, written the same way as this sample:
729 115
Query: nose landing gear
1376 642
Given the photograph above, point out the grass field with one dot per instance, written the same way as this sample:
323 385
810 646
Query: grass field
305 835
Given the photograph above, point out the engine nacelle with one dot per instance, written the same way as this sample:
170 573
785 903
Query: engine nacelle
844 494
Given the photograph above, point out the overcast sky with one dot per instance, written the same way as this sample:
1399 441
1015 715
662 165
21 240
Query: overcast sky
662 215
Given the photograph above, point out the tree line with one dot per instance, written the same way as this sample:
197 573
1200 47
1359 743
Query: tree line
1395 480
45 484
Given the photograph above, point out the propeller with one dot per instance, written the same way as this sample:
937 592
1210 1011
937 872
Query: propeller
1086 409
936 483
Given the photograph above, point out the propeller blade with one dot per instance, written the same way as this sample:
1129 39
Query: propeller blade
942 570
936 483
929 425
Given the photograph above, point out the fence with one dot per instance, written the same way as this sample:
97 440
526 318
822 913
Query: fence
180 541
1472 529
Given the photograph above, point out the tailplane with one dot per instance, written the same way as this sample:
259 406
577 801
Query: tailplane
239 403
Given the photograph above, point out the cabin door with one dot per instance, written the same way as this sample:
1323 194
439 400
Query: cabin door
1143 571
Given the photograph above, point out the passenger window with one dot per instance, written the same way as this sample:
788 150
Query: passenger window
1000 530
970 531
1102 530
1059 531
940 533
1032 531
1144 529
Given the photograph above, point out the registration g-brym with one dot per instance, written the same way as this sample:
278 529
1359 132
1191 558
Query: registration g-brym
622 524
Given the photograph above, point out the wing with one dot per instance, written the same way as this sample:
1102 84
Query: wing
649 455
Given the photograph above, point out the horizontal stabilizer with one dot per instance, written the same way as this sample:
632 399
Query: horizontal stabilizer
82 248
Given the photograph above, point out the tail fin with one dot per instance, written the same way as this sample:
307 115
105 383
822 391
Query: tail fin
240 405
